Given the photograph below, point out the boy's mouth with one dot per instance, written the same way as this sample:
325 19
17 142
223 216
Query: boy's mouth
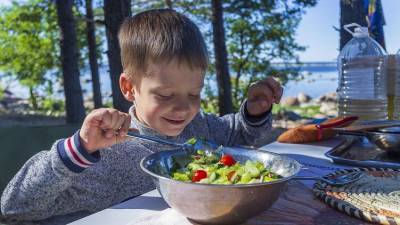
174 122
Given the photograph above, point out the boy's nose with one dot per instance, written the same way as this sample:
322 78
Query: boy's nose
181 106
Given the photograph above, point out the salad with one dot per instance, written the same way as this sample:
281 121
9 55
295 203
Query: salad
215 169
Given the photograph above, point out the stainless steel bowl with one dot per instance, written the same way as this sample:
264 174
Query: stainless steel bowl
219 204
387 139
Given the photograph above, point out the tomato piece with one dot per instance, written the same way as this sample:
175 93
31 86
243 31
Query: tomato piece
199 175
227 160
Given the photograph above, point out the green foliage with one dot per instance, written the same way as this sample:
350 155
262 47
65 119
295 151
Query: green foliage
305 111
259 32
108 104
209 104
1 92
29 45
52 106
28 41
80 20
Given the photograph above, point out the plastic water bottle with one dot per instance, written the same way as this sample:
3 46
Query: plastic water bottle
362 77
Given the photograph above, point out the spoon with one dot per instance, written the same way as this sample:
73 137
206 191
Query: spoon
337 180
190 146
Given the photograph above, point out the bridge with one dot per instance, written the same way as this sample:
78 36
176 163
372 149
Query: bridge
307 66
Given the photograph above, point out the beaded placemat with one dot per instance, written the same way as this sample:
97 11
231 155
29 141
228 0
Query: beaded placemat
374 198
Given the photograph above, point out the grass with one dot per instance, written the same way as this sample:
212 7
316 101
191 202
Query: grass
304 111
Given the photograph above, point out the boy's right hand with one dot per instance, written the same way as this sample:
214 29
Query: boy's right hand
103 128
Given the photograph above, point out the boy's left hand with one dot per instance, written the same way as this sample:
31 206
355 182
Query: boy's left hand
262 95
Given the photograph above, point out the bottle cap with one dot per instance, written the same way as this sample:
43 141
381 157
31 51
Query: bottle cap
359 31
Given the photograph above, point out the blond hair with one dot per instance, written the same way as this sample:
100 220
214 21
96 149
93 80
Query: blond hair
158 35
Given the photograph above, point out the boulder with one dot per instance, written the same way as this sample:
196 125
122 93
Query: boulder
327 107
329 97
290 101
303 97
288 115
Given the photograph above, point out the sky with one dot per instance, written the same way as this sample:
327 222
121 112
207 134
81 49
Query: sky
316 30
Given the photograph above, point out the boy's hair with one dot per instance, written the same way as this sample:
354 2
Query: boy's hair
157 35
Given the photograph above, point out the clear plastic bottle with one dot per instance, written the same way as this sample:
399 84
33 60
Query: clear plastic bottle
362 77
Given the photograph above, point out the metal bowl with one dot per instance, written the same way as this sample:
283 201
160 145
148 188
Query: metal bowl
219 204
387 139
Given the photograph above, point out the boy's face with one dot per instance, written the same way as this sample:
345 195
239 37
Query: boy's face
168 97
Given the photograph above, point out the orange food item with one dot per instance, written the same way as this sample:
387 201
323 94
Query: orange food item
315 132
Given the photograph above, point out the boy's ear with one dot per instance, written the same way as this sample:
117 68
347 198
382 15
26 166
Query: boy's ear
126 86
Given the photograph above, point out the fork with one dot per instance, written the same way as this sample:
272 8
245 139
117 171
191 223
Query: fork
190 146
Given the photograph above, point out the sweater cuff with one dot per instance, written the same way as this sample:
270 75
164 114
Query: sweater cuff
255 121
74 155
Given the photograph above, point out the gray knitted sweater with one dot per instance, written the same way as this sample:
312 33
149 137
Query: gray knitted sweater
53 187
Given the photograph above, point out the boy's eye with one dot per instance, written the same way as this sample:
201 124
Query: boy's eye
163 96
194 95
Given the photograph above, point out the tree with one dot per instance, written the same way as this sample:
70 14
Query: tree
69 60
115 12
168 3
91 41
221 61
370 15
259 32
28 37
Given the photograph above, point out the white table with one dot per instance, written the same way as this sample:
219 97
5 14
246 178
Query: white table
151 204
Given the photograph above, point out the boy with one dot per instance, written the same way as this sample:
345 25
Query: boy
164 60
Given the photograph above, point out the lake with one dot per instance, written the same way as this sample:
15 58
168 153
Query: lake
318 80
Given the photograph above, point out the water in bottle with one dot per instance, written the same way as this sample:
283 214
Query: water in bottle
362 77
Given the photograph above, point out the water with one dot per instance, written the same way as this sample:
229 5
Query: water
316 82
362 88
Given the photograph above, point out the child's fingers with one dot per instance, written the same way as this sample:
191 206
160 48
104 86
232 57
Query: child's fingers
109 133
96 117
120 120
115 120
106 120
109 119
126 124
260 91
275 87
124 127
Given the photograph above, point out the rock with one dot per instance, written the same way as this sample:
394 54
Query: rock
288 115
327 107
319 116
287 124
7 101
329 97
290 101
332 113
303 98
19 107
88 102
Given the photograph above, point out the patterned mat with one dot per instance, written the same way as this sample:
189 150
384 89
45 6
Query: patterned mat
374 198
